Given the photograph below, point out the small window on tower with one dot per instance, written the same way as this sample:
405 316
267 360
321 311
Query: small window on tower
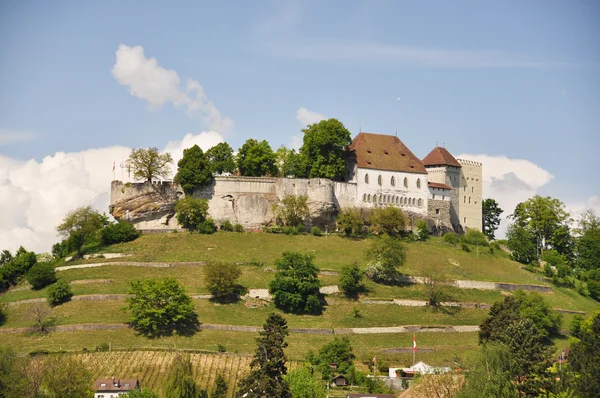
437 211
393 181
418 183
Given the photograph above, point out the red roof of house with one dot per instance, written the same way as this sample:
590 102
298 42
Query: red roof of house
384 152
440 156
439 185
114 384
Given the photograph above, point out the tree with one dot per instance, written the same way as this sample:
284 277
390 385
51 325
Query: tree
141 393
81 226
220 158
292 211
534 307
41 275
266 378
289 162
160 307
66 377
490 373
584 358
387 220
59 293
323 149
149 164
521 244
181 383
588 241
122 231
350 222
303 384
191 212
385 254
194 170
422 233
436 284
221 281
338 351
256 159
39 313
296 285
15 267
351 280
491 217
544 218
221 387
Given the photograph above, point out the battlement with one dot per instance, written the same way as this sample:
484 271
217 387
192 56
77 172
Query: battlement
469 162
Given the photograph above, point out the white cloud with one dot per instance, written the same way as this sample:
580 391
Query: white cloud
147 80
35 196
12 136
307 117
509 181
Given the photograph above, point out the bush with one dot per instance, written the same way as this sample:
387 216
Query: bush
465 247
451 238
593 288
475 237
41 275
221 348
386 255
350 222
422 231
207 226
351 280
123 231
290 230
191 212
59 293
316 231
553 258
548 271
221 281
388 220
238 228
102 347
227 226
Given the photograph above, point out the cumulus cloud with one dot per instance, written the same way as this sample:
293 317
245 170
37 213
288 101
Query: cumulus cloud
509 181
36 195
307 117
147 80
12 136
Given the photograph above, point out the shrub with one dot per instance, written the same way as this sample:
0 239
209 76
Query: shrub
238 228
387 220
316 231
102 347
123 231
593 288
41 275
386 255
292 230
451 238
292 211
351 280
59 293
191 212
422 231
221 348
227 226
350 222
465 247
221 281
475 237
553 258
548 271
207 226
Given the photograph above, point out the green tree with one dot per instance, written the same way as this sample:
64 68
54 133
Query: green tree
491 217
141 393
584 358
521 244
149 164
545 218
181 382
122 231
351 281
436 285
293 210
59 293
422 233
256 159
194 170
588 241
338 351
385 255
66 377
220 158
81 226
387 220
350 222
289 162
15 267
295 287
191 212
303 384
534 307
266 378
41 275
221 281
490 373
221 387
160 307
323 149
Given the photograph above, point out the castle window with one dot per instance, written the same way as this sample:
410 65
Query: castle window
418 183
465 199
472 188
366 178
443 197
465 220
434 196
405 182
397 200
465 188
384 199
369 198
380 198
420 202
379 180
364 197
393 181
414 201
437 211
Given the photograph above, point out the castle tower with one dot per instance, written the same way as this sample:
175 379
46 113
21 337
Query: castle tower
443 168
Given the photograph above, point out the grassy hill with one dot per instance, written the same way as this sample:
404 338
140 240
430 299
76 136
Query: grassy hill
257 251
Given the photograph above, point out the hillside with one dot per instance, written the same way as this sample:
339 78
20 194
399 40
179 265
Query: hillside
445 334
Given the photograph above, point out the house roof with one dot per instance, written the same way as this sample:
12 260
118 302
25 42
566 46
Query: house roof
114 384
384 152
439 185
339 376
440 156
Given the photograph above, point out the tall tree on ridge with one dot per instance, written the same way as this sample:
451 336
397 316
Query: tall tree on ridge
149 163
323 149
491 217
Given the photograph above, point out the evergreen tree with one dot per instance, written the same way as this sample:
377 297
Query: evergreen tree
221 387
491 217
182 383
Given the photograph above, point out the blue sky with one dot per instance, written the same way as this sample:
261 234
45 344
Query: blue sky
513 84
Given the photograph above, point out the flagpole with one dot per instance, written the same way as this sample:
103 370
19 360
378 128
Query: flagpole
414 347
122 171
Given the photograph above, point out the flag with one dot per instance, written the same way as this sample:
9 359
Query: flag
113 165
414 343
374 360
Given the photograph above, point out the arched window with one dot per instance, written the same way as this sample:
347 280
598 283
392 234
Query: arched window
418 183
405 182
379 180
404 200
397 200
380 198
414 201
369 198
364 197
393 181
366 178
420 202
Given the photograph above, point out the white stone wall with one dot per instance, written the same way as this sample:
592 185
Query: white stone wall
439 194
408 190
470 194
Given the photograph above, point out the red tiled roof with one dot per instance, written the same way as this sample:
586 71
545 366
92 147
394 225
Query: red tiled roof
440 157
439 185
384 152
115 384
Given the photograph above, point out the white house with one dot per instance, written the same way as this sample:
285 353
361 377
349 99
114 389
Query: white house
113 387
420 368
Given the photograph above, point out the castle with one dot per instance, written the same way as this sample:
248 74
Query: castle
380 171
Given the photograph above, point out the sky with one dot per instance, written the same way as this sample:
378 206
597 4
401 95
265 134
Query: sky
512 84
